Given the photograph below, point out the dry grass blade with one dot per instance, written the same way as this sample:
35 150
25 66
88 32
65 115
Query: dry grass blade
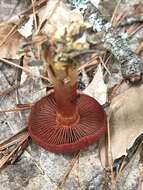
115 12
36 24
139 48
24 69
9 90
120 18
10 33
14 139
20 141
6 158
110 158
14 154
93 61
135 29
104 64
72 163
15 109
12 30
24 105
38 4
34 14
20 107
44 20
113 91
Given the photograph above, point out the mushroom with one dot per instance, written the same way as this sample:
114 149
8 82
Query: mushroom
66 120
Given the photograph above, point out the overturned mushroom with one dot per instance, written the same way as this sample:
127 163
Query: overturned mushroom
65 120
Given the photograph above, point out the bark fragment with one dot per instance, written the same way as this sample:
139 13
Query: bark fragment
114 40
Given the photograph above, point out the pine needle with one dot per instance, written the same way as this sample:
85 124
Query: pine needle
24 69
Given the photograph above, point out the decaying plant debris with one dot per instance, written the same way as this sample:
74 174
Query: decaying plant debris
110 70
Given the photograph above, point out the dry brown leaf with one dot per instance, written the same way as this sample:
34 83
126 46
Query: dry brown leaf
126 122
54 10
97 88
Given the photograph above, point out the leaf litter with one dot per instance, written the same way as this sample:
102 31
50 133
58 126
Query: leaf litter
126 111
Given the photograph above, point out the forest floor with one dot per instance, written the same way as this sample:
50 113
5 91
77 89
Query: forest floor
115 164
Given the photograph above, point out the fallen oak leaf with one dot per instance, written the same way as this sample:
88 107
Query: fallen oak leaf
97 88
120 164
126 122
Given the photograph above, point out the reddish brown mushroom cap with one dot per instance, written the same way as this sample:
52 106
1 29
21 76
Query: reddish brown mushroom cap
55 137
